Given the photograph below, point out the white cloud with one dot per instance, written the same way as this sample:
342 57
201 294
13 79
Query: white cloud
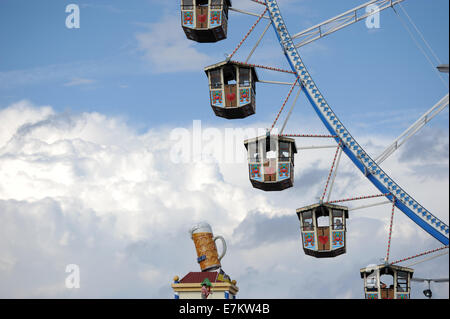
18 114
167 49
86 189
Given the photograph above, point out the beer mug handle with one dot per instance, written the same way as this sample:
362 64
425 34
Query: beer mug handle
224 244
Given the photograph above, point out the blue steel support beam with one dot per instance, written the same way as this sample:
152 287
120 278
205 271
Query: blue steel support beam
410 207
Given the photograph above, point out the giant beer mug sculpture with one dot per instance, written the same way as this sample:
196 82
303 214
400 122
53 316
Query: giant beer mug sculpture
205 244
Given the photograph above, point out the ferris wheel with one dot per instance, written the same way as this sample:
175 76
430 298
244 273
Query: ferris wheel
232 89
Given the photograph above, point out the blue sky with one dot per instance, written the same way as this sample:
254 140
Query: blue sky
378 70
86 174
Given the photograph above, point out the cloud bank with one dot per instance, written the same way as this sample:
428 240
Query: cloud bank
87 189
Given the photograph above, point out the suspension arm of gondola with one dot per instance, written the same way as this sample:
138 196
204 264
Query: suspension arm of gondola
358 198
370 205
246 36
277 82
290 111
334 174
247 12
264 67
341 21
413 129
331 171
309 135
373 172
284 104
259 41
312 147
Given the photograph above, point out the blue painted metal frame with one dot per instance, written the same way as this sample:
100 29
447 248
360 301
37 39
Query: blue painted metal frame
351 148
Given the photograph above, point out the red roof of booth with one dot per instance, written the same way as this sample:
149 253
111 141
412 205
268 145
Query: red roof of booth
198 277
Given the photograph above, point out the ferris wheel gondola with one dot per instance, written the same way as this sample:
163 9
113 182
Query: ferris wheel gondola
271 162
327 239
232 87
375 288
205 20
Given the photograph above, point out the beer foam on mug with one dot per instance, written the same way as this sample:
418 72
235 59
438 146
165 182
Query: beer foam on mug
202 227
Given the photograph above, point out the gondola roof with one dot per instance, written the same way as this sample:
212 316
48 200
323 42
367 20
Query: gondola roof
369 270
281 138
310 207
206 1
223 63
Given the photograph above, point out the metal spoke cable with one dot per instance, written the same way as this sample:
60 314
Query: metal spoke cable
331 170
264 67
312 147
427 259
390 231
357 198
421 48
334 174
260 2
248 33
308 135
290 111
284 104
420 33
276 82
418 255
246 12
370 205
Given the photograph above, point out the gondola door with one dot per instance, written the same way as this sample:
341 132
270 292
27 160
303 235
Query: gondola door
323 238
270 158
387 293
230 95
202 17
